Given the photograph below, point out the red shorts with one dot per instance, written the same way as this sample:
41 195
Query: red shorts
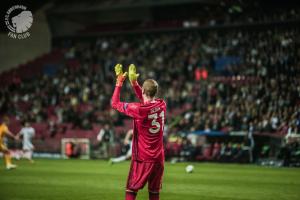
142 172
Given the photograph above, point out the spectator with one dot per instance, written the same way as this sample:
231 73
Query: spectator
106 139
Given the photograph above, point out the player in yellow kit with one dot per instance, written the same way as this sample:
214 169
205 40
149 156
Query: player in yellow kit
3 132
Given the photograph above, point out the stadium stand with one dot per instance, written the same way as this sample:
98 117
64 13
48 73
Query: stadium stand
251 77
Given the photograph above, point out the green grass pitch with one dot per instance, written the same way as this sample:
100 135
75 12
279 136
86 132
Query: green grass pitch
97 180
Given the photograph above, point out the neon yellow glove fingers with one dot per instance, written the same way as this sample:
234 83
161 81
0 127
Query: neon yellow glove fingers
118 69
132 69
120 75
132 73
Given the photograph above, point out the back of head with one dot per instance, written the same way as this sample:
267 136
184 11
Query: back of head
150 88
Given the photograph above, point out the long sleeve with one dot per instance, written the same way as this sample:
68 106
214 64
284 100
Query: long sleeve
138 91
115 100
129 109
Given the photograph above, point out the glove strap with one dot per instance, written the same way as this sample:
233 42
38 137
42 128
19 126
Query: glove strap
134 83
120 80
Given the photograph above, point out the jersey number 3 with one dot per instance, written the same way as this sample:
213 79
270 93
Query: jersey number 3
155 124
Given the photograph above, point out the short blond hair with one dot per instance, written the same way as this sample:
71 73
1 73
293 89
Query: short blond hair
150 87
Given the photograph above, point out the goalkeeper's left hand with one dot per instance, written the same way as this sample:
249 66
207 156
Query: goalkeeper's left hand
132 74
120 75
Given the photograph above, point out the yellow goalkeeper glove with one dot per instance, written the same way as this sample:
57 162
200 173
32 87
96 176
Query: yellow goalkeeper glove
132 74
120 75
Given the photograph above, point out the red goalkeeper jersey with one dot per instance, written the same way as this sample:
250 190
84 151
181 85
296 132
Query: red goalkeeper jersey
148 125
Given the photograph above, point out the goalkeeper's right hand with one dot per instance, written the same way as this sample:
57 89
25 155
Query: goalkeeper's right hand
132 74
120 75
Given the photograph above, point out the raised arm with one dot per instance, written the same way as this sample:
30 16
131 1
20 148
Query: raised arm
134 83
115 100
130 109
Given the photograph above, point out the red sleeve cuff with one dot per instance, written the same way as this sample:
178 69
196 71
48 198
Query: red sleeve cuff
134 83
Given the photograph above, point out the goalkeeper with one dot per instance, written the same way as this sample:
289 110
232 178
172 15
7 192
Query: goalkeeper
147 161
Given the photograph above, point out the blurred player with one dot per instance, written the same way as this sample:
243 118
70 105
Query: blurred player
147 163
27 133
3 132
127 141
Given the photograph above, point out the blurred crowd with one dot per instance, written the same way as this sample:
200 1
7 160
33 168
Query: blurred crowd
80 90
240 13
